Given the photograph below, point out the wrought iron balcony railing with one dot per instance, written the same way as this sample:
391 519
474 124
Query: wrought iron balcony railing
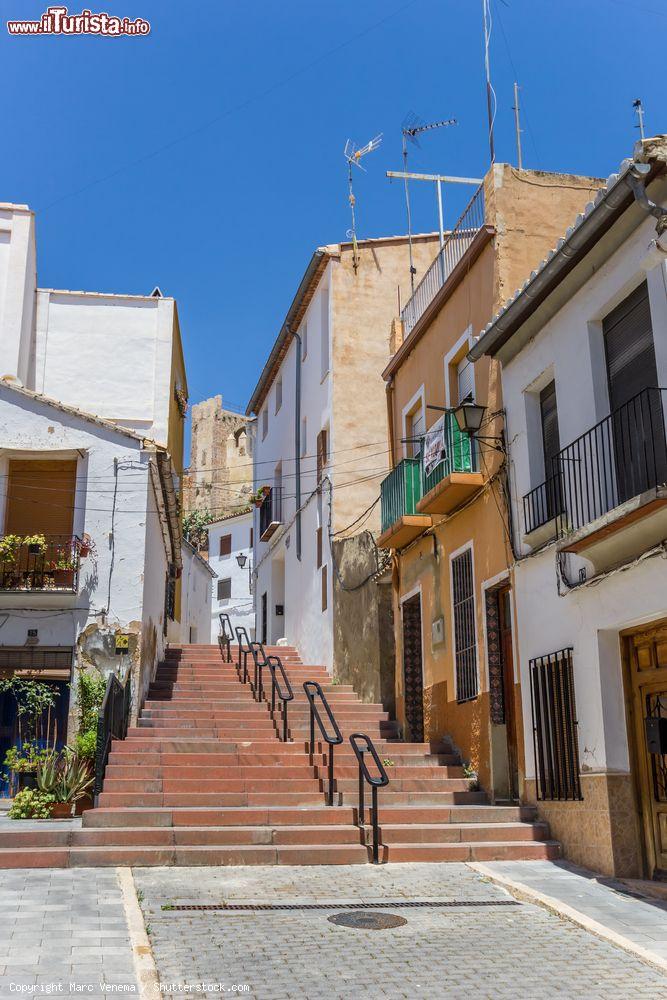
455 246
400 492
459 455
621 457
39 562
270 512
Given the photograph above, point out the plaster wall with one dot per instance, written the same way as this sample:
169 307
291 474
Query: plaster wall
195 624
239 606
17 288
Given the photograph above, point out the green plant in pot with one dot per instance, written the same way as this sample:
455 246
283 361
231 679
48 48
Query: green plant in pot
36 544
9 546
90 694
36 735
68 779
31 803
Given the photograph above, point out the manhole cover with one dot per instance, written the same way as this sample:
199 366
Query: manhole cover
365 921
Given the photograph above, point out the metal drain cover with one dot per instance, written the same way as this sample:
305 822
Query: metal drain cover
367 921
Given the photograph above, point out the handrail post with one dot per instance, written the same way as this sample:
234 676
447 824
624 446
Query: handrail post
376 827
312 727
330 796
284 722
362 805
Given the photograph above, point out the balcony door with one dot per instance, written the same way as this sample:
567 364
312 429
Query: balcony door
637 422
40 497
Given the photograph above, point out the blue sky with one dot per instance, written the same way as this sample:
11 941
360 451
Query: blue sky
207 157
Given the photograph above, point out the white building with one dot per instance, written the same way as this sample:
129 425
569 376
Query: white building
196 598
583 349
320 450
230 545
92 405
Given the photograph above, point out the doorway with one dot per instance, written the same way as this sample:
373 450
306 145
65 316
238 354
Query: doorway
265 632
413 678
645 656
503 719
509 705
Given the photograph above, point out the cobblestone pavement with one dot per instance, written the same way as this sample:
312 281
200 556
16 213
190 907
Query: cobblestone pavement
519 951
60 927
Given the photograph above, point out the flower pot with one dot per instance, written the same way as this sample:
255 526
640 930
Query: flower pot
61 810
64 578
81 805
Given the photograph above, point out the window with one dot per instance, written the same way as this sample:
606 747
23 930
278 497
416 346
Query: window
555 727
203 460
224 589
551 450
319 547
304 437
465 380
251 536
322 455
465 630
324 330
265 421
304 342
225 545
324 588
279 394
415 428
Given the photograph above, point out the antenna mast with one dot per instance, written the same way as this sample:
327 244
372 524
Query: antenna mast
639 110
490 93
353 157
517 125
412 128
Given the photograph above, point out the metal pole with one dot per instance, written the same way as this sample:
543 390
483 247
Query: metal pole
517 125
284 722
376 829
438 188
362 806
407 205
331 774
489 89
312 729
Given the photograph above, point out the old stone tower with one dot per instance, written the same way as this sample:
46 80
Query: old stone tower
219 478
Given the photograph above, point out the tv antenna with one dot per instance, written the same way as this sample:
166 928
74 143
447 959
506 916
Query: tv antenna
639 111
411 129
354 157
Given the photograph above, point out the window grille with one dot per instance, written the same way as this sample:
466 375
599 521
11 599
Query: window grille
465 630
555 727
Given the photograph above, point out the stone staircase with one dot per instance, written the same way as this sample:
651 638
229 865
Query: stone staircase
204 780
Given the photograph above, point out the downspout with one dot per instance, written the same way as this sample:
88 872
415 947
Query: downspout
390 419
297 441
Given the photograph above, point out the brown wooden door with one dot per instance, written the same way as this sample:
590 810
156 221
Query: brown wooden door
507 654
413 682
646 660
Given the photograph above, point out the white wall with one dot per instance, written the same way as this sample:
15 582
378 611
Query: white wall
569 349
196 597
17 288
240 605
31 428
107 354
304 624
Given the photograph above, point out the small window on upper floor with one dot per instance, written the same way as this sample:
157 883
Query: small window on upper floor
265 421
415 428
225 545
322 453
224 589
465 380
279 394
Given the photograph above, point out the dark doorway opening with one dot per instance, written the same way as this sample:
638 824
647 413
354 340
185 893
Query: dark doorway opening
413 679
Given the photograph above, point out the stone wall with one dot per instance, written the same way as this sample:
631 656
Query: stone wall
219 478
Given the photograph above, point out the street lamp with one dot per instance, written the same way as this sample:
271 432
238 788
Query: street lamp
241 559
469 415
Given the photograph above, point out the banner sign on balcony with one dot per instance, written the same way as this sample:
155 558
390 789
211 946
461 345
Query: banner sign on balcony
434 445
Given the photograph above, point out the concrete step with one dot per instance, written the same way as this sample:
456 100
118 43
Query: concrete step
525 850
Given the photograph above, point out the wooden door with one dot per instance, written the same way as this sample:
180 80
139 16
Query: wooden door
413 682
646 663
507 654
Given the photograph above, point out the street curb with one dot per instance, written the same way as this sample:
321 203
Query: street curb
144 964
523 892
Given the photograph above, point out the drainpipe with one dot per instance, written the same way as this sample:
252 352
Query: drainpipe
297 442
390 419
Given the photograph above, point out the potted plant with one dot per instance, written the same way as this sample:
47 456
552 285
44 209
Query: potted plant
63 573
23 764
259 497
31 803
9 545
36 544
86 546
68 779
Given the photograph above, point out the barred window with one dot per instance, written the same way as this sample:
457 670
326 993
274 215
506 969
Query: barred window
555 726
465 631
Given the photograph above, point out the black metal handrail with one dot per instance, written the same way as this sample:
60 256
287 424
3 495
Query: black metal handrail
374 782
112 724
260 661
226 636
621 457
313 690
244 652
275 663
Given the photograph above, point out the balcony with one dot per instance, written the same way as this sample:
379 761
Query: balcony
611 479
455 478
270 513
39 563
399 495
456 245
